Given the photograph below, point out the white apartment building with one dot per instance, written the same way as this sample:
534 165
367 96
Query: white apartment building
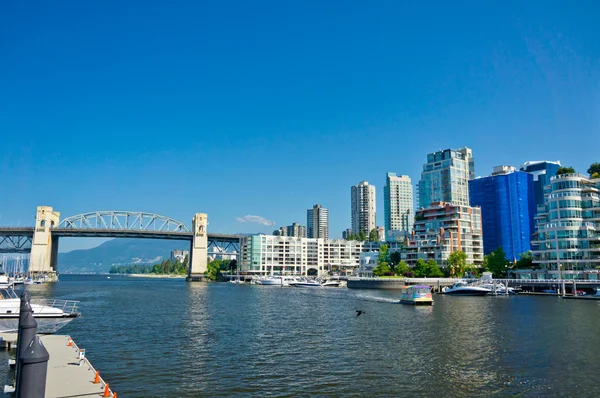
398 206
317 222
363 207
267 254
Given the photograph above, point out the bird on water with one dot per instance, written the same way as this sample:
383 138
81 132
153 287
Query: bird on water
358 312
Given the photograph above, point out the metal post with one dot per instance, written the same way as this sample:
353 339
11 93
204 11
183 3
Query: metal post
562 288
34 368
28 331
24 309
574 288
506 288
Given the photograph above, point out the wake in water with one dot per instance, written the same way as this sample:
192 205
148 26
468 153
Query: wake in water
368 297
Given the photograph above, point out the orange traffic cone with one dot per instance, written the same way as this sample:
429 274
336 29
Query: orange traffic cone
114 395
70 343
106 391
97 378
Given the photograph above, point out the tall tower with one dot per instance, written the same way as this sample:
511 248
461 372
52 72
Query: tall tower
317 222
398 206
445 177
363 207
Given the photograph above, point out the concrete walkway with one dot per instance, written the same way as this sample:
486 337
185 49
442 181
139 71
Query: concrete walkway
67 377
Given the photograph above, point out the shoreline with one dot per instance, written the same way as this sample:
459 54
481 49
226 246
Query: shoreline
165 276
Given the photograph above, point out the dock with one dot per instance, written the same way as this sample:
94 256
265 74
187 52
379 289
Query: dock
68 375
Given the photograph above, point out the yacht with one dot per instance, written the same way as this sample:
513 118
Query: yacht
51 315
308 283
331 283
270 280
463 288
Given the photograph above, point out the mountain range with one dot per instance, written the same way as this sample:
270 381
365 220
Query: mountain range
122 251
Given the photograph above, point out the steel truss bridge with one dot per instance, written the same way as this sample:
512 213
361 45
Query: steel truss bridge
116 224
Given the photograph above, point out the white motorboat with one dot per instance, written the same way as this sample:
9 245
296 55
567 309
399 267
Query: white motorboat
331 283
498 288
463 288
308 283
51 315
270 280
237 280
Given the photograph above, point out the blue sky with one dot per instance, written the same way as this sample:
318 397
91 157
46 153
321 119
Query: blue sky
266 108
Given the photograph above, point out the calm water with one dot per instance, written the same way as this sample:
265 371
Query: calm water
168 338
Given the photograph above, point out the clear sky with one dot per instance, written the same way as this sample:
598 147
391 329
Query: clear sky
238 108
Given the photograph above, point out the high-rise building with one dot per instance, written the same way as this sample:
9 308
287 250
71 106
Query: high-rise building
542 171
443 228
445 177
346 233
282 231
363 207
296 230
566 243
317 222
398 206
508 208
380 234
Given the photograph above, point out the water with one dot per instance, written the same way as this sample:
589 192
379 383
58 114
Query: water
159 338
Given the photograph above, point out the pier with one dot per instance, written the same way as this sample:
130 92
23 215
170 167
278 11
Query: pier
70 373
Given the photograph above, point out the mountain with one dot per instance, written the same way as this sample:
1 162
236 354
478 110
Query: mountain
122 251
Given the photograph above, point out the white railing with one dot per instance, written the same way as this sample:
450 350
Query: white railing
67 306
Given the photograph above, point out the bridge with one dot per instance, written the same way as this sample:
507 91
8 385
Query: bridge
41 240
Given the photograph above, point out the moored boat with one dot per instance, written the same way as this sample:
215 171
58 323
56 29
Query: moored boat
416 295
462 288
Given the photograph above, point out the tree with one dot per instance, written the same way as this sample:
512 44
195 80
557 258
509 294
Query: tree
457 262
497 263
433 271
361 236
401 268
594 170
395 257
565 170
525 261
373 236
420 269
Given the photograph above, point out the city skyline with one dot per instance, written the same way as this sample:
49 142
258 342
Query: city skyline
195 116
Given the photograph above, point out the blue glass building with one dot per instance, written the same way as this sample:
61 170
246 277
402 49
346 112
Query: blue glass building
508 207
541 171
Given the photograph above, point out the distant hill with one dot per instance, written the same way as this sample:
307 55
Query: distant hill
122 251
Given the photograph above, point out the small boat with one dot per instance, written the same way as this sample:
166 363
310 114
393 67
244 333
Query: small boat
308 283
237 280
416 295
51 315
270 280
462 288
331 283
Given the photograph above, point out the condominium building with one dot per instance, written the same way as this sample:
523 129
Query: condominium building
266 254
443 228
380 234
282 231
445 177
398 206
567 239
317 222
179 255
296 230
363 207
346 233
507 202
542 171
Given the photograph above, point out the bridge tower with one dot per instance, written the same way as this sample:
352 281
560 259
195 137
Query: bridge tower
44 247
199 249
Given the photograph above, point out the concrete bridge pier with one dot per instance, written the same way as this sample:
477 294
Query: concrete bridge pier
44 247
199 249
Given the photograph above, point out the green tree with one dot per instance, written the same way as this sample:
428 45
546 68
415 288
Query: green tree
420 269
497 263
433 270
565 170
457 262
401 268
395 257
361 236
525 261
373 236
594 169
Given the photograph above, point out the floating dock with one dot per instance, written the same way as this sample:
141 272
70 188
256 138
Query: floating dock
70 373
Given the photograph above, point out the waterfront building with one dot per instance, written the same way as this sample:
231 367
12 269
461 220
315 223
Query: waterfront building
346 233
367 261
445 177
566 243
317 222
179 255
398 206
363 208
443 228
507 202
296 230
542 171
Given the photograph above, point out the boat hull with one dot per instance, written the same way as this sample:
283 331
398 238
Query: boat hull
465 292
46 324
417 302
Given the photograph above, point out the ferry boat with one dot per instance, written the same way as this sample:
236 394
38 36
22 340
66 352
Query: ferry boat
416 295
